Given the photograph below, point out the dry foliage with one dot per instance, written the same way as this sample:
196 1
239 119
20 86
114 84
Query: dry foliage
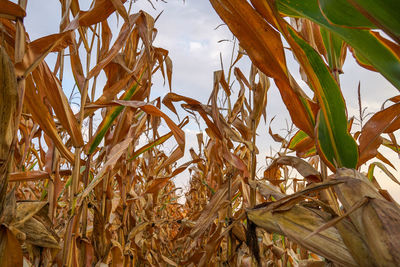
78 193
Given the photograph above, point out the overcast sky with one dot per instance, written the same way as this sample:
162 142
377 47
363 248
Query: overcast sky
188 31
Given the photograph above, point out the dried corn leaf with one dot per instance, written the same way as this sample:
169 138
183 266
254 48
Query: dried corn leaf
8 113
10 10
10 249
378 222
298 222
37 234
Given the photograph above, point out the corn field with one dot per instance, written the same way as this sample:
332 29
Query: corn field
81 191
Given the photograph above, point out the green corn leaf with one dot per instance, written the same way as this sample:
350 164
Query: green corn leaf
335 144
297 140
335 48
371 169
383 14
364 42
149 146
342 13
111 116
302 144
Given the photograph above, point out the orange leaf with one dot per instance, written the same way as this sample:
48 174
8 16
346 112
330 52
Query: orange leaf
264 47
10 249
48 84
384 121
42 116
10 10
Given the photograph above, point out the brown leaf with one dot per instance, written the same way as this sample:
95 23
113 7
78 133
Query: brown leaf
10 207
110 91
100 11
26 210
211 247
169 261
299 221
37 234
312 263
37 50
137 229
88 249
273 175
260 97
10 249
266 190
11 11
384 121
119 6
34 175
119 42
8 125
76 65
302 166
288 202
236 162
179 134
117 254
264 47
194 105
334 221
217 203
377 222
29 176
48 84
115 153
158 183
41 115
100 242
9 101
237 106
276 137
20 40
168 64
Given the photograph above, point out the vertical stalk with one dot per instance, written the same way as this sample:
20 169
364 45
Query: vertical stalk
86 175
67 241
253 192
82 259
51 189
9 120
230 173
75 180
104 194
74 188
253 164
75 175
230 239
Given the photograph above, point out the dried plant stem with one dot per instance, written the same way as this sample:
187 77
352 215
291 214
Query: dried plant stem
328 196
82 259
75 179
229 251
74 187
86 176
8 127
104 194
51 188
253 164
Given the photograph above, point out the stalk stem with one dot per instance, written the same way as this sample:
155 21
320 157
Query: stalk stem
253 164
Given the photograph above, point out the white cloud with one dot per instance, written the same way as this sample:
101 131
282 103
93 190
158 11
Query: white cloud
195 46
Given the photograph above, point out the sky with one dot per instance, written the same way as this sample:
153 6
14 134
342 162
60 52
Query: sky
188 30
